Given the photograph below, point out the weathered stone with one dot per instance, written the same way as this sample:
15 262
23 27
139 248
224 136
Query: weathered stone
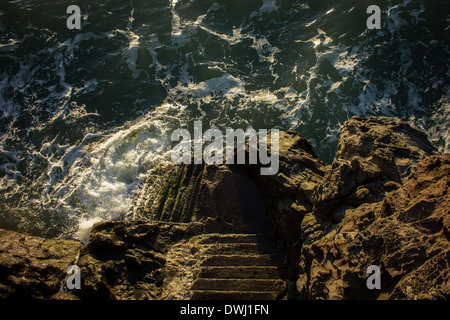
33 267
371 152
221 196
406 235
288 194
131 263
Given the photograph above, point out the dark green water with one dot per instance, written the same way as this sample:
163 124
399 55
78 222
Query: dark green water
85 113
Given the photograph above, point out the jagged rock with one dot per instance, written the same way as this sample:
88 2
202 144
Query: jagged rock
406 235
288 194
126 260
33 267
372 154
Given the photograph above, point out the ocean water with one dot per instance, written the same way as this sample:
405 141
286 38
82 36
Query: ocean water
86 113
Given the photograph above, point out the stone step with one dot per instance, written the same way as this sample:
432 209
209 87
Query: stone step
233 295
241 272
242 260
239 267
262 285
236 238
241 248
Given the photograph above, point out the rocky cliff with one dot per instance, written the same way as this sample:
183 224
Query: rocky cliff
308 232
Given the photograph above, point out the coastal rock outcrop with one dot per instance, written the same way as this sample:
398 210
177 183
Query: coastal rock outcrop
288 195
123 260
383 201
220 196
236 198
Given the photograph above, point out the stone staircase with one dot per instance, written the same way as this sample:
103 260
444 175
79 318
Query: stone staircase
239 267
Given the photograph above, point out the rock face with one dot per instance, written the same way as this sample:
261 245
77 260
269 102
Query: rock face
374 156
32 267
288 194
197 228
123 260
127 260
406 235
221 196
236 198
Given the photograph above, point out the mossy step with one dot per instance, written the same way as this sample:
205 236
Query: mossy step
242 260
236 238
269 285
241 248
233 272
233 295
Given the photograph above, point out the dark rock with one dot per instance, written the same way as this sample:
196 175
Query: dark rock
288 194
222 197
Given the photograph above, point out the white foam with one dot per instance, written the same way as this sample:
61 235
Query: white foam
263 96
264 49
103 175
183 30
227 85
268 6
11 45
88 86
309 24
84 229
